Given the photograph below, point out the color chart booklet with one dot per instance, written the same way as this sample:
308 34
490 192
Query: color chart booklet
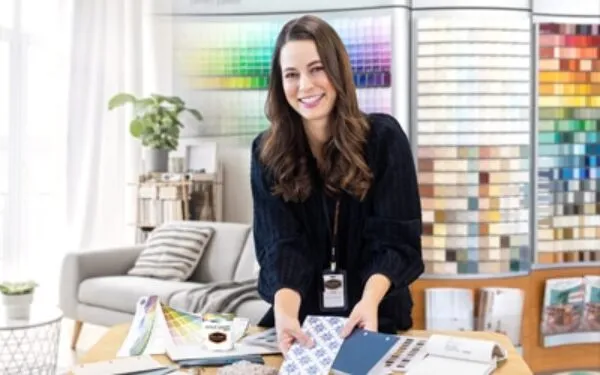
160 329
458 355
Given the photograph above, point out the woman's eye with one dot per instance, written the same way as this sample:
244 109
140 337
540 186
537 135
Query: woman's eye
290 75
317 69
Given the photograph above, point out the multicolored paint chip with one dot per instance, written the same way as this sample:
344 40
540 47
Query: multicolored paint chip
568 143
473 135
226 66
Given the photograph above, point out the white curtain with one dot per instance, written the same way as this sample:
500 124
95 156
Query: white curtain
34 136
71 162
106 58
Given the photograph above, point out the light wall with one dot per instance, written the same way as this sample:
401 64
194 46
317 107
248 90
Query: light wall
234 156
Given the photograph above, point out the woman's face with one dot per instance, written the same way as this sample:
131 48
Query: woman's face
306 85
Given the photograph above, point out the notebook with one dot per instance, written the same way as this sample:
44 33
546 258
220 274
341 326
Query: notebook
458 355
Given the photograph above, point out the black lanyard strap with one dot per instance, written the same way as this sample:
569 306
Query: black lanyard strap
333 232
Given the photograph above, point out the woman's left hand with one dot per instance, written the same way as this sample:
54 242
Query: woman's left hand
364 315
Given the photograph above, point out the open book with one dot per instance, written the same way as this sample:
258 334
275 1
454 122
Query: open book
458 355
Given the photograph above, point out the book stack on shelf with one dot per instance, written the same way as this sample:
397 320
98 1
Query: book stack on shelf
165 197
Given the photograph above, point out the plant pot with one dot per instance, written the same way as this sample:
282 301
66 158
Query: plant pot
17 306
157 160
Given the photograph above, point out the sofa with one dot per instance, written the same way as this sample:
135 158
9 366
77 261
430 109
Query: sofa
95 287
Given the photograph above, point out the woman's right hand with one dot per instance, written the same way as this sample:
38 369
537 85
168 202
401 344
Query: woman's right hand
287 324
289 332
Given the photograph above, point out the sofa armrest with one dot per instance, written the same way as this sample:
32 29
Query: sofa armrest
79 266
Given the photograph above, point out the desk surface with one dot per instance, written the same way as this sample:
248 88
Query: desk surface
106 348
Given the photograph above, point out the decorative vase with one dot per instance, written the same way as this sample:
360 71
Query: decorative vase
157 160
17 306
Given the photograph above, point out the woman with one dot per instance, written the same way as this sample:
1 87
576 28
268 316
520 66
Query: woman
337 215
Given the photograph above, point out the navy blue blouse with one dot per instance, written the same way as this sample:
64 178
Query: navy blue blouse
381 234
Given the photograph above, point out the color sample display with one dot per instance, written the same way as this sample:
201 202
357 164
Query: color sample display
568 143
473 135
226 65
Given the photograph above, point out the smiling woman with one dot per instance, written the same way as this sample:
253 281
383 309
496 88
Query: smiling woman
312 92
306 85
337 216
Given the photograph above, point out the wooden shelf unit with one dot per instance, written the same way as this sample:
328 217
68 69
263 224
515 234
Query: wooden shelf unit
165 197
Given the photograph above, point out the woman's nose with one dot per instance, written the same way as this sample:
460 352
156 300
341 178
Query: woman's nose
305 82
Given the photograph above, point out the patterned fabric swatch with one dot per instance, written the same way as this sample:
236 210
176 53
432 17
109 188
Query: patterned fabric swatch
325 332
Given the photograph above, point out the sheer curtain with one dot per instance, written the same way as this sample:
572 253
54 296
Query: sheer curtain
106 58
33 45
65 161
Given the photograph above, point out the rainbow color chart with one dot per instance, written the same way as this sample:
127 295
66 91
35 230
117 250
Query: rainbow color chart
226 66
568 143
473 135
184 328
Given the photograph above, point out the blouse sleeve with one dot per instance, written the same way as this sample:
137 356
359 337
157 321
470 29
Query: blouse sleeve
281 247
393 228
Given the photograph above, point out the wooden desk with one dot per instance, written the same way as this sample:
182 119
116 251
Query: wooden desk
106 348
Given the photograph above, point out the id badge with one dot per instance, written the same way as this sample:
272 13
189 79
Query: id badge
334 295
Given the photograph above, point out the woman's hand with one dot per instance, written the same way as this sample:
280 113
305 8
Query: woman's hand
289 331
364 315
287 325
365 312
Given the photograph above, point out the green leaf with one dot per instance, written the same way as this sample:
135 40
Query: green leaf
196 114
120 99
136 128
174 100
156 118
142 105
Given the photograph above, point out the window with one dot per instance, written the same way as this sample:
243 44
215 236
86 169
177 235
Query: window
4 91
32 136
6 17
6 13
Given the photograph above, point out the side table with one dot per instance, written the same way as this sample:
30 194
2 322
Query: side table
30 346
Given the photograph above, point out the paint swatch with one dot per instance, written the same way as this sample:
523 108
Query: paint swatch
473 132
225 66
184 327
568 223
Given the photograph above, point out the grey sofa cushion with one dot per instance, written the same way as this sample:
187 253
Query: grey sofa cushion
254 310
247 267
222 254
173 251
121 293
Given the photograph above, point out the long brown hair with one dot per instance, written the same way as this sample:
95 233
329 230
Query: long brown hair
284 149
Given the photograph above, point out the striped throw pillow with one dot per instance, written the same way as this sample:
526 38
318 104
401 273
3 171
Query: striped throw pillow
172 252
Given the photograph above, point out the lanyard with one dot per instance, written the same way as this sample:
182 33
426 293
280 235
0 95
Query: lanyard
333 233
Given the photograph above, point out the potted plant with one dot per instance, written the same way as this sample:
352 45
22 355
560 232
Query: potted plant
17 298
156 123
